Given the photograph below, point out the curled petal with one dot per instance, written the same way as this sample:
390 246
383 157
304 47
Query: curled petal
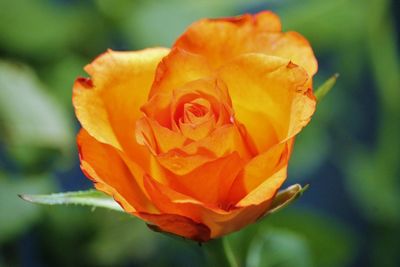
266 190
197 131
177 69
209 90
108 104
219 221
178 225
262 168
292 46
209 184
221 40
162 105
270 97
159 139
111 174
182 147
221 142
91 113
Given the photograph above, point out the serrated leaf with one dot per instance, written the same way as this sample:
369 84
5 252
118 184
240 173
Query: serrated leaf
324 89
92 198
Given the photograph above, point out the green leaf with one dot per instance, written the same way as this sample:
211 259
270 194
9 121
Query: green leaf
324 89
92 198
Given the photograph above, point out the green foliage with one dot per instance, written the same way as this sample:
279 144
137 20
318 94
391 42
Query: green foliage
43 30
17 216
376 172
91 198
268 250
32 124
324 88
103 250
295 238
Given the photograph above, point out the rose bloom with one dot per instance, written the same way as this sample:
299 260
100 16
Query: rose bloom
196 140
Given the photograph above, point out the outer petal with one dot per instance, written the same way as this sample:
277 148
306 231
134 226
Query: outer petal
220 40
270 97
265 168
178 225
265 190
289 45
219 221
111 174
108 105
91 112
209 183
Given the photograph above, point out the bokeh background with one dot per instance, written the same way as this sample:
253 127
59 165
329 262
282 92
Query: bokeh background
349 154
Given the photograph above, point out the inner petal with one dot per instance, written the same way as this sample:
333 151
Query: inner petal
198 119
196 111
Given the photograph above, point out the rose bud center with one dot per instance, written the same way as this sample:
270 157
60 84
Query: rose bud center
195 118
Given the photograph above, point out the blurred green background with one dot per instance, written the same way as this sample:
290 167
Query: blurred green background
349 154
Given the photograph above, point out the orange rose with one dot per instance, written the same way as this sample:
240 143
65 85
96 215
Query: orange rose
196 140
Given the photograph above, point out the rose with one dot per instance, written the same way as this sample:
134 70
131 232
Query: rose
196 140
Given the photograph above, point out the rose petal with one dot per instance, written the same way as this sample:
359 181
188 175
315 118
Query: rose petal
177 69
219 221
108 105
262 181
104 165
178 225
209 183
197 131
162 106
220 40
159 139
223 141
258 170
175 149
270 97
289 45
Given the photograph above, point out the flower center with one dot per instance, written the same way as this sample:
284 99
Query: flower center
196 111
195 118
